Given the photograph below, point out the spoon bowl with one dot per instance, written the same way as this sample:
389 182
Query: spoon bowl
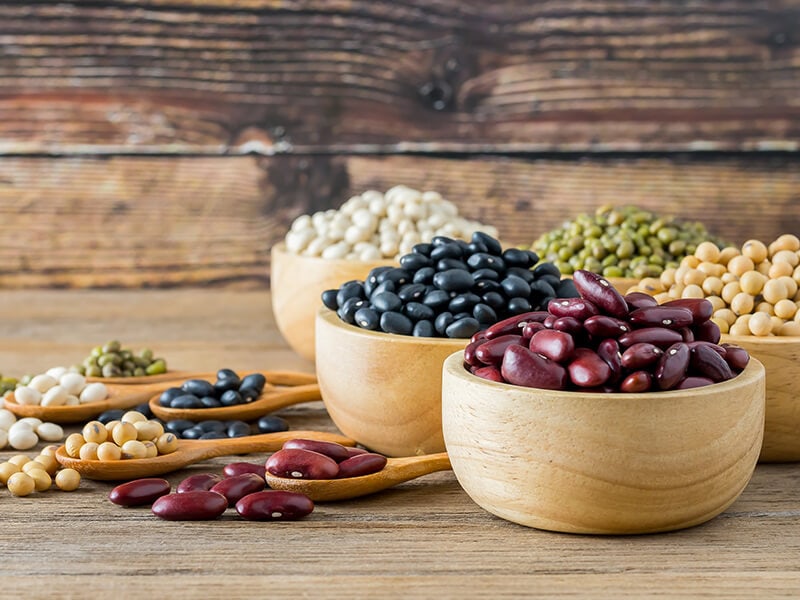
188 452
396 471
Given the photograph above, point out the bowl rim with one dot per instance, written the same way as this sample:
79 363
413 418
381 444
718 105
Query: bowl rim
453 365
279 249
330 317
759 339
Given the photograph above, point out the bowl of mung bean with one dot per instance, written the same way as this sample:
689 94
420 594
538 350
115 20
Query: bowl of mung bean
754 291
325 249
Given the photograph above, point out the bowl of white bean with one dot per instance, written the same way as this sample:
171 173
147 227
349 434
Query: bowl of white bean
324 250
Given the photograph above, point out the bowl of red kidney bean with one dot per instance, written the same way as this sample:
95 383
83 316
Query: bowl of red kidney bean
604 414
381 342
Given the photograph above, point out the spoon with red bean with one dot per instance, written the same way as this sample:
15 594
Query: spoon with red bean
326 474
188 452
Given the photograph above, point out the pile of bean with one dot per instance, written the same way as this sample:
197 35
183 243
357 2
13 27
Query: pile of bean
373 226
25 433
23 475
112 360
311 459
624 241
449 288
753 289
133 436
214 429
228 390
59 387
605 342
207 496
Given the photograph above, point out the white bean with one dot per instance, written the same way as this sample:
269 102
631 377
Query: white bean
338 250
356 234
369 252
31 422
72 383
22 438
94 392
42 383
56 372
72 401
50 432
7 419
364 219
3 438
302 223
55 396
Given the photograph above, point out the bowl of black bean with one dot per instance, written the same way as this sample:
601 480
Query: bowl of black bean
381 342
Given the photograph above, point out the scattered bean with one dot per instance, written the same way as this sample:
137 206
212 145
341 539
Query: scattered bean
195 505
21 484
295 463
139 492
274 505
239 468
201 481
237 487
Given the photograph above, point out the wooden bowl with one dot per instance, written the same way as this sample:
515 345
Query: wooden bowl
296 283
380 389
781 359
602 463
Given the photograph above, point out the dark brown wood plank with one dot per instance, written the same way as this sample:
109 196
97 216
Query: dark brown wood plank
385 76
177 221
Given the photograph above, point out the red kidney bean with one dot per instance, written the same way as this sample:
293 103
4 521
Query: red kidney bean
139 492
710 364
515 324
577 308
330 449
600 292
639 300
587 369
531 328
672 366
201 481
555 345
355 451
491 351
274 505
641 355
240 468
523 367
608 350
700 308
654 316
707 332
658 336
568 324
197 505
490 373
693 382
686 334
637 382
363 464
549 321
604 326
477 336
237 487
296 463
736 356
716 348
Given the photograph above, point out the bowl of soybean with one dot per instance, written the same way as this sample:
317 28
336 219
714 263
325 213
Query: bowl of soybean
602 463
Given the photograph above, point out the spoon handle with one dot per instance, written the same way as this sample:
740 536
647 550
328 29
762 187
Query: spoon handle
265 442
411 467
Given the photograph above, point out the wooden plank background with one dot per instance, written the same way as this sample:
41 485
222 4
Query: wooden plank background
170 143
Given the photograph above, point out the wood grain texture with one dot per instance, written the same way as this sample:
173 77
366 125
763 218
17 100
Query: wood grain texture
176 221
423 539
310 75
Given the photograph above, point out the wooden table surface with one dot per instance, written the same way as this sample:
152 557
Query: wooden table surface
424 539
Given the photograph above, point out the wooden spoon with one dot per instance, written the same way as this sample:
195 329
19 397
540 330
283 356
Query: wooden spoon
283 389
189 452
168 376
397 470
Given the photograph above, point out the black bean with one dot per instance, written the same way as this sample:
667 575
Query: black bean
514 286
540 288
249 393
372 280
440 240
450 250
442 322
254 380
231 398
198 387
534 258
436 299
411 292
385 286
178 426
517 306
475 247
567 289
227 374
553 280
424 249
484 238
463 303
213 435
211 425
144 409
347 312
493 299
423 328
329 299
113 414
462 328
223 385
386 301
417 311
525 274
487 285
237 429
395 322
489 274
272 424
396 275
186 401
482 260
453 280
367 318
547 269
514 257
192 433
209 402
413 262
484 314
451 263
350 289
424 275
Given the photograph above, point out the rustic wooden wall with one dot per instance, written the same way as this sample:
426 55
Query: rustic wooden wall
171 142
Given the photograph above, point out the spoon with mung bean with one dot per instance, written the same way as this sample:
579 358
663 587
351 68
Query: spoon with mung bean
396 471
187 453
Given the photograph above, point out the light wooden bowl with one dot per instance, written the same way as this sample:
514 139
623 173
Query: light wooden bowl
602 463
781 359
296 283
383 390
